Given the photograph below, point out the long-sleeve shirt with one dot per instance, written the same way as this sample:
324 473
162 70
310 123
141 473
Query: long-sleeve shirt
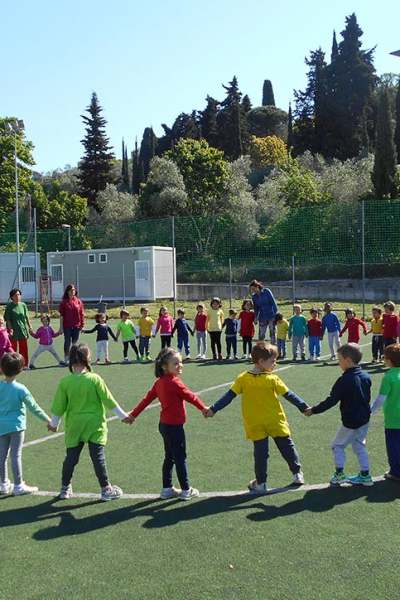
298 326
172 394
231 327
5 343
103 331
265 307
165 324
15 398
182 327
314 327
330 323
45 335
390 323
200 322
353 391
71 311
353 327
17 318
246 319
282 328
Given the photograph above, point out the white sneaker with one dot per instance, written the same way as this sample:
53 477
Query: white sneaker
66 492
126 359
317 358
298 478
5 488
199 356
189 494
23 489
244 357
257 488
188 356
333 357
170 492
204 357
111 492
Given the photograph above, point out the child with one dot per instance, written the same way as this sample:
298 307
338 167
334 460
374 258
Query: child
353 325
45 334
314 326
5 342
165 324
282 328
377 338
83 398
389 397
231 329
263 414
247 331
145 325
298 331
389 324
183 328
128 333
15 398
103 331
215 319
172 394
331 324
200 327
353 391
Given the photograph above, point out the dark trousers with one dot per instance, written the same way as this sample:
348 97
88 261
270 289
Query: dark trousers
133 345
215 337
261 453
231 345
393 450
175 454
389 341
165 341
97 455
377 347
71 336
183 342
247 344
144 345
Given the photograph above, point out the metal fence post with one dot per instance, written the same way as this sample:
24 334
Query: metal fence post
123 286
230 283
77 278
37 266
173 263
293 280
363 255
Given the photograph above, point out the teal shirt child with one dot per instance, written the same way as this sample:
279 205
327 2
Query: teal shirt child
15 398
298 326
390 389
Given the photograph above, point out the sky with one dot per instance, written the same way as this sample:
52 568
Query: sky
150 60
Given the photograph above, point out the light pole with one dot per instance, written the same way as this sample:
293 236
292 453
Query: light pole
68 228
16 126
396 53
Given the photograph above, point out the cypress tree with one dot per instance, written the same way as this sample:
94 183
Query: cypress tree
383 175
232 122
147 150
246 103
290 129
125 168
208 122
335 50
268 98
397 130
95 167
137 171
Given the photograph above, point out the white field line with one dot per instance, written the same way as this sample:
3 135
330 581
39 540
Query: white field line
155 405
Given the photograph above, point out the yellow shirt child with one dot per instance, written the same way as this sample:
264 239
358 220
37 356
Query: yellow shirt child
377 326
282 328
145 325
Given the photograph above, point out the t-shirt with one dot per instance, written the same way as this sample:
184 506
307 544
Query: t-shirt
246 318
262 412
200 322
145 326
215 319
83 398
390 322
377 326
15 398
17 315
127 330
282 328
390 387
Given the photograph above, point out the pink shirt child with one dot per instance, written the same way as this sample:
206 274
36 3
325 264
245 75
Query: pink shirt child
45 335
5 344
165 324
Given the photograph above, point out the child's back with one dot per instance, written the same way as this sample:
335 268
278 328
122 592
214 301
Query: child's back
14 398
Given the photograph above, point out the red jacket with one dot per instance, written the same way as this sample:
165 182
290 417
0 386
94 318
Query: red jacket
246 318
172 394
71 310
390 323
200 322
314 328
353 326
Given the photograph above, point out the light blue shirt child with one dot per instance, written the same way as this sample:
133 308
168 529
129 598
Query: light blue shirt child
15 398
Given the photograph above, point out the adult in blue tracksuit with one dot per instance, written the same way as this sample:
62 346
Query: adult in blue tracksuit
265 309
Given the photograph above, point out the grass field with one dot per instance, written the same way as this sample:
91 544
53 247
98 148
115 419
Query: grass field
316 544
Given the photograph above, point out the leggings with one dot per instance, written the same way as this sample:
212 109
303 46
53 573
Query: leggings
71 336
247 344
165 341
133 345
97 455
21 346
215 337
11 442
231 345
175 454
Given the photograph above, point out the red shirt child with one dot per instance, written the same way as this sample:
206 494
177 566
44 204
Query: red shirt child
352 325
315 327
390 322
200 321
246 318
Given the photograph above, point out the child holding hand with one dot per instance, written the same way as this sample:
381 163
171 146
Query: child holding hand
45 334
282 328
126 329
200 327
390 322
352 325
298 331
377 337
103 332
247 329
231 328
145 325
215 320
165 324
5 342
314 326
183 328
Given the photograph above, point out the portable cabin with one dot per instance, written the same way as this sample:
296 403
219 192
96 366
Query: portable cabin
115 274
30 263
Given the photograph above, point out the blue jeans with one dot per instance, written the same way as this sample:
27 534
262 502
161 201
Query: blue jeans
71 336
281 348
144 345
314 346
175 454
231 345
288 452
393 450
183 342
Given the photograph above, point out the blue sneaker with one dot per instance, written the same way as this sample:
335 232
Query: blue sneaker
361 480
338 479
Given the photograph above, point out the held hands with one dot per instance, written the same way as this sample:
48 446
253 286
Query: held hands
207 413
50 427
128 420
308 412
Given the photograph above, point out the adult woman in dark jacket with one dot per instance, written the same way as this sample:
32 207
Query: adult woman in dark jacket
72 318
265 309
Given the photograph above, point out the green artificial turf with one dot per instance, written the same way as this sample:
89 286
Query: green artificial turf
324 544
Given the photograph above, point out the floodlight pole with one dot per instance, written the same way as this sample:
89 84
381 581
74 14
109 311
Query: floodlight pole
173 263
363 255
17 211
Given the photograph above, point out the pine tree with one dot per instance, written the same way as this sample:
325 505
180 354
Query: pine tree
246 103
290 129
232 123
268 98
208 122
125 168
384 172
137 171
147 150
95 167
397 130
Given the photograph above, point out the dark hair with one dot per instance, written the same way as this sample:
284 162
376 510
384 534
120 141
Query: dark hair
123 312
12 364
377 309
392 353
314 311
99 316
390 305
351 351
232 311
180 311
256 283
245 302
263 351
79 355
162 308
328 305
278 317
14 291
217 301
143 308
349 310
200 306
69 287
46 316
162 360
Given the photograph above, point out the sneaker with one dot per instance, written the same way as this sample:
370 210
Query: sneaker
188 357
294 358
169 492
361 480
199 356
111 492
220 357
149 358
126 359
236 357
189 494
257 488
303 357
298 478
32 367
389 475
228 357
203 357
107 362
338 479
66 492
317 358
333 357
23 489
5 488
244 357
61 363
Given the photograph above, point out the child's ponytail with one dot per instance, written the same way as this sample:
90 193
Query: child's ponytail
79 355
162 360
